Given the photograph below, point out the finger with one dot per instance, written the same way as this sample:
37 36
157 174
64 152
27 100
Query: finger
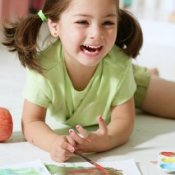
102 125
71 140
82 132
61 154
64 157
68 147
75 136
59 158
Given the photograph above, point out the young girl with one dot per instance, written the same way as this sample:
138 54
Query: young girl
83 79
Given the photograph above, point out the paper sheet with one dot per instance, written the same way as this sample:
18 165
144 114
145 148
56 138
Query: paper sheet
35 167
127 167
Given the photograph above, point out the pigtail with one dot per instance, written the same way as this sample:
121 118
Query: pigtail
130 36
22 38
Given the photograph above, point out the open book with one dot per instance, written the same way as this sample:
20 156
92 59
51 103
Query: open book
125 167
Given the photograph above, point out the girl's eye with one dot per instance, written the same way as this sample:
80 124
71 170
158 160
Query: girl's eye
108 23
83 22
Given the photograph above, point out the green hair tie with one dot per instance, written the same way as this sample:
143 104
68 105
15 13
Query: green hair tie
42 16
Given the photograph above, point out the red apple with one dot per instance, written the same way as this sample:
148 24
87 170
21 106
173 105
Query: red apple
6 124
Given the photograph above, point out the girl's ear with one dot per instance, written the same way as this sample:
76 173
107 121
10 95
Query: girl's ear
53 27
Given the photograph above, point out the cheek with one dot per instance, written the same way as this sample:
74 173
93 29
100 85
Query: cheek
113 36
75 40
111 40
113 33
72 35
76 34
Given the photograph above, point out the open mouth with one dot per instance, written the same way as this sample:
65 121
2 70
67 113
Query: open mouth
91 49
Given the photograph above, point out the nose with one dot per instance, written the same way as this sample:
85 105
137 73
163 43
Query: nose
95 32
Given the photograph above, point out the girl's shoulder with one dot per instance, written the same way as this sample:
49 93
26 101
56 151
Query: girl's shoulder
117 53
49 57
118 59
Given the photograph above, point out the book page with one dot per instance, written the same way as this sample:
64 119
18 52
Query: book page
29 168
124 167
36 167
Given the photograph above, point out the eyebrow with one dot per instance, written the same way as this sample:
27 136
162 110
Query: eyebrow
107 16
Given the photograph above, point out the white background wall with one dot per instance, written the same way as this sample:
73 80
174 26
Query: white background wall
152 9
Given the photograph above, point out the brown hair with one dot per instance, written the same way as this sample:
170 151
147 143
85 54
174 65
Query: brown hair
22 36
129 36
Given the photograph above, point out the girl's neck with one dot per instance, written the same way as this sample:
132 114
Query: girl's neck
80 75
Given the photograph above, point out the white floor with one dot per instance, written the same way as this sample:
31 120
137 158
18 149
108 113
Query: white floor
151 134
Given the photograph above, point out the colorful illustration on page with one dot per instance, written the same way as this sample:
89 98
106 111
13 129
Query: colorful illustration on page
56 170
28 168
21 171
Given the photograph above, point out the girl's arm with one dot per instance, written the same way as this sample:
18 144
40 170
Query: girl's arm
108 136
37 132
122 122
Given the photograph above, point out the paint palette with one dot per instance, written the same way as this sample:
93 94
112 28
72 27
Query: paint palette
166 161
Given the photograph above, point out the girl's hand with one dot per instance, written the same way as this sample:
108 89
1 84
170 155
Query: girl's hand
62 148
95 141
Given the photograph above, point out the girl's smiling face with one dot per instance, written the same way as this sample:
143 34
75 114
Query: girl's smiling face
87 30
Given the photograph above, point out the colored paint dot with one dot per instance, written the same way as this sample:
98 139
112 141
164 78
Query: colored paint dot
168 167
169 154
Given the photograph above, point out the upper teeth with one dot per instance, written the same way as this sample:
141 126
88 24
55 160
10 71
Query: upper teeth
93 47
